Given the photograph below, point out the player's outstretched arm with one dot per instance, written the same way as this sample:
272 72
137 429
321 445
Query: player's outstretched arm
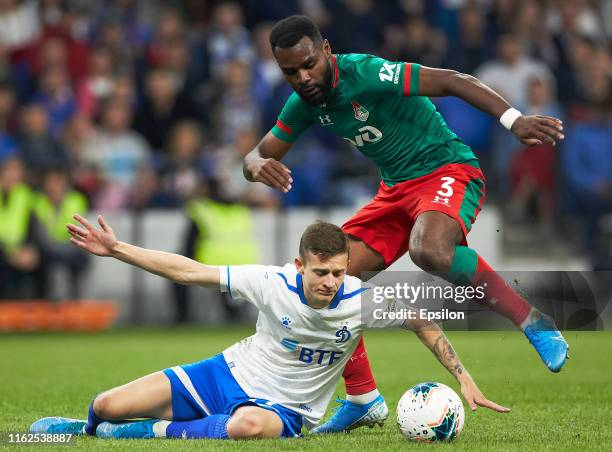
102 242
529 130
263 164
435 340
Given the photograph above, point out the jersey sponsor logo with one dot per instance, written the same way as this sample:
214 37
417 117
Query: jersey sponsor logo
446 191
286 321
311 355
320 357
290 344
368 134
361 113
343 335
390 72
325 120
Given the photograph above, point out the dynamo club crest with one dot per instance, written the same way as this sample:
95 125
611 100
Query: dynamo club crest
343 335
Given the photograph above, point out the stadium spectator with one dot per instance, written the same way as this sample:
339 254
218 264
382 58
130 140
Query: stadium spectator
21 270
574 64
73 27
266 73
509 75
19 23
218 231
8 103
51 53
180 167
360 27
472 47
179 50
119 152
233 187
169 27
56 96
500 19
162 107
510 72
7 66
606 16
228 39
98 84
54 207
532 170
587 166
79 135
133 17
38 146
113 36
8 107
177 59
423 44
534 39
392 42
124 90
233 103
575 17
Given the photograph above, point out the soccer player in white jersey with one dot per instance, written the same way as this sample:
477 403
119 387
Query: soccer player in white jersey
270 384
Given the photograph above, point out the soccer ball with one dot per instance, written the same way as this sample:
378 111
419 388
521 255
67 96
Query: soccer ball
430 412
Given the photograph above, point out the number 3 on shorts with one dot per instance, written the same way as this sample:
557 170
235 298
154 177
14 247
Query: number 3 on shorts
446 189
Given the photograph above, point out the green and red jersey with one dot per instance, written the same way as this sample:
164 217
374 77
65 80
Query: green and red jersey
375 104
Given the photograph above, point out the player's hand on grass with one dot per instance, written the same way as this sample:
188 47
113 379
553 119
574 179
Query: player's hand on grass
272 173
536 130
475 398
100 242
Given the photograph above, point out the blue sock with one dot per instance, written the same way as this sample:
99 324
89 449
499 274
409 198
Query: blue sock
214 426
92 421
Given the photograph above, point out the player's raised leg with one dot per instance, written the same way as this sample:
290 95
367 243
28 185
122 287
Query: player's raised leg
364 405
435 246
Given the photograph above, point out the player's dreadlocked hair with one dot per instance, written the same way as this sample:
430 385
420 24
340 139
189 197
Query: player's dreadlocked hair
323 239
288 32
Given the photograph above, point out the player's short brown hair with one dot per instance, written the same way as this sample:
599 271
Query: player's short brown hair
324 240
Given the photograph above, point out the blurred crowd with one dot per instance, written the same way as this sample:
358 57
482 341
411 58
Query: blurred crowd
150 104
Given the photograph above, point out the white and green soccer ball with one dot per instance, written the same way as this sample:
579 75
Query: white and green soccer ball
430 412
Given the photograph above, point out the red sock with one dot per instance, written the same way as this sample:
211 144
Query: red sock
499 296
358 378
470 269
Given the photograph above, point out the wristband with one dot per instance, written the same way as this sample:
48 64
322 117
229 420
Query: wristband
509 116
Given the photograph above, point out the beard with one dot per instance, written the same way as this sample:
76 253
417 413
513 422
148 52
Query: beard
317 93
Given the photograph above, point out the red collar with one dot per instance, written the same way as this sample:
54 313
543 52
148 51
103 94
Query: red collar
336 72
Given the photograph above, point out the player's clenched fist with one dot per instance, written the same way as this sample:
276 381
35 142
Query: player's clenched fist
271 172
536 130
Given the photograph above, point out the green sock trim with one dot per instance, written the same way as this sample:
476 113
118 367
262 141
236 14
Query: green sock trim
464 266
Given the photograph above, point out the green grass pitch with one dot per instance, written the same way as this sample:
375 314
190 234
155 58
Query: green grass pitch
57 374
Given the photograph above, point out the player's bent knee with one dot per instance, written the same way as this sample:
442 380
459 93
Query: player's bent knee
106 406
432 258
245 426
253 423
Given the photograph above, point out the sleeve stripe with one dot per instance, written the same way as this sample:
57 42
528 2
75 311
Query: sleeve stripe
229 287
407 77
284 127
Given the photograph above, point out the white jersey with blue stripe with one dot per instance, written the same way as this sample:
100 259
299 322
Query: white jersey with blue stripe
297 353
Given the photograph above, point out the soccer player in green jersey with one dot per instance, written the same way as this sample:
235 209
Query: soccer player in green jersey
431 190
